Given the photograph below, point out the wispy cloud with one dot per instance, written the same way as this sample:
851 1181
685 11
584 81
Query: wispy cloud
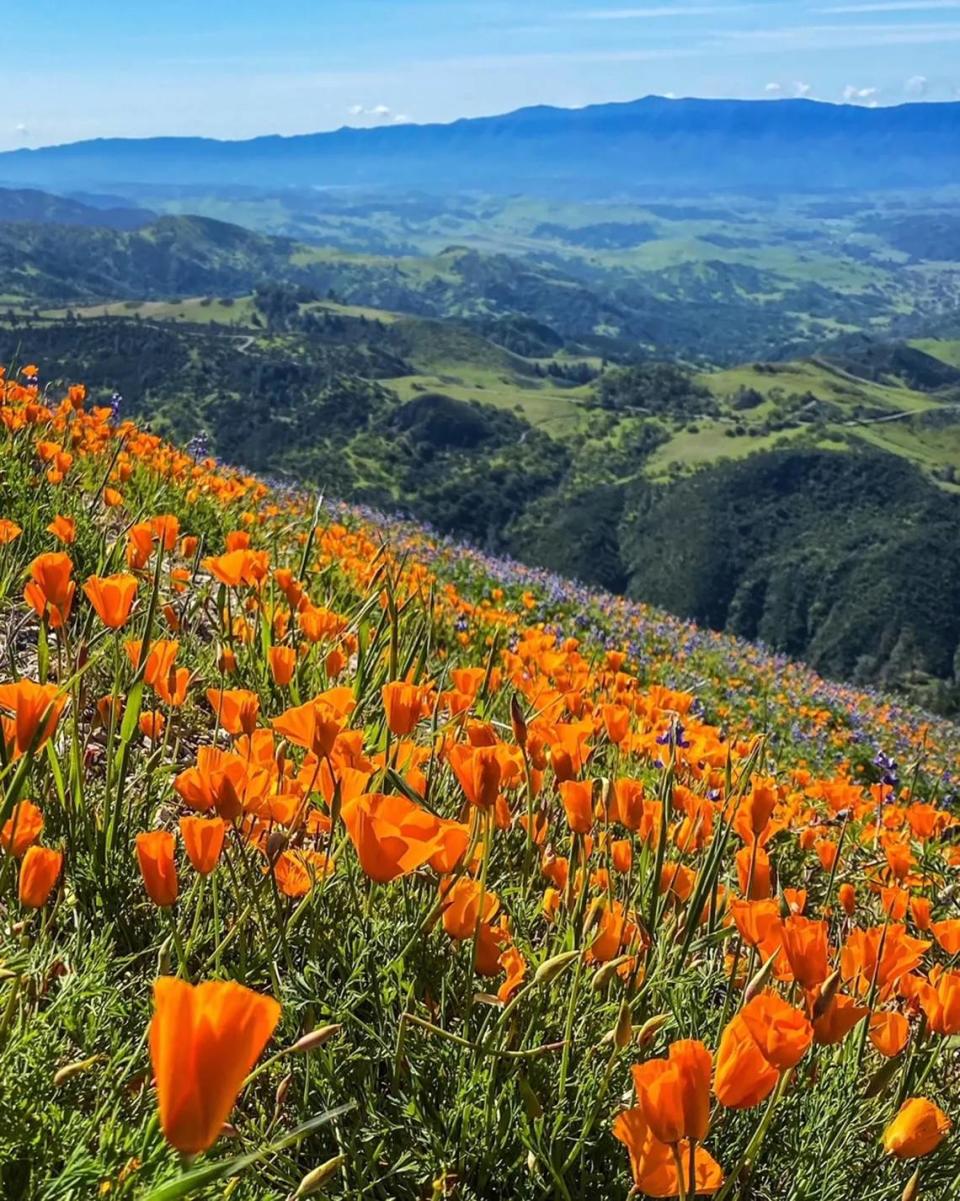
892 6
673 11
835 37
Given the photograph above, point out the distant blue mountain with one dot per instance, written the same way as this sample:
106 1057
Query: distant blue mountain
645 146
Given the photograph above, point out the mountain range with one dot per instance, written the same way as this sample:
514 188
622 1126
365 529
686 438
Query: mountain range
652 145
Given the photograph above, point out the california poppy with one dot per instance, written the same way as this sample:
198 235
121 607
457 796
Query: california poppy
805 946
918 1128
203 841
391 834
21 829
112 596
50 590
478 772
155 854
36 709
236 709
314 726
404 706
782 1033
63 528
653 1163
743 1076
940 1001
283 662
204 1040
39 872
674 1093
577 797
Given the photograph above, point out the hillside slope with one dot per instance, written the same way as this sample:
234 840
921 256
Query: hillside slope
335 852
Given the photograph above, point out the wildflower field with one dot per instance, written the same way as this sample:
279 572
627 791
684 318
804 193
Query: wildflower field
336 859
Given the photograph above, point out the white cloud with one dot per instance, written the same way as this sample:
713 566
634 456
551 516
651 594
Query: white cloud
893 6
851 92
376 112
401 119
640 14
21 127
802 90
774 89
916 85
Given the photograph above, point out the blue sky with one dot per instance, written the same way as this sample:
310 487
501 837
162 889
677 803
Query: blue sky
97 68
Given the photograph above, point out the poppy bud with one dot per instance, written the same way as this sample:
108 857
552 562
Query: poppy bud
276 845
759 981
651 1028
281 1094
316 1038
550 969
827 993
518 723
623 1031
912 1190
607 971
314 1181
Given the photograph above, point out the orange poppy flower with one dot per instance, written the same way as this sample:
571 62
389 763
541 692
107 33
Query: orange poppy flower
112 596
50 590
236 709
404 705
314 726
628 796
216 782
652 1162
229 569
577 797
63 528
21 829
940 1001
478 771
889 1032
203 1042
155 854
947 934
392 835
39 873
840 1017
759 879
514 964
918 1128
9 530
461 908
782 1033
203 841
283 663
151 725
36 709
674 1093
743 1076
884 953
453 837
805 946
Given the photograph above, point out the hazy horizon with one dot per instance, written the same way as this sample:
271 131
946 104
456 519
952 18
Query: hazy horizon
240 70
